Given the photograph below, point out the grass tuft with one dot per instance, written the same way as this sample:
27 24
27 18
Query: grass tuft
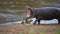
42 32
31 31
58 32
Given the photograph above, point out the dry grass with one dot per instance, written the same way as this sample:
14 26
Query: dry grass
30 29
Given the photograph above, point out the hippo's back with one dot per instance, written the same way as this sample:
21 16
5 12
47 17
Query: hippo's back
47 12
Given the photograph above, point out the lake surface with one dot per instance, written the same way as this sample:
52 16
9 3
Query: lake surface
53 21
15 10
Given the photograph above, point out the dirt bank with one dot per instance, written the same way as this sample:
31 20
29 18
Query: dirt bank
29 29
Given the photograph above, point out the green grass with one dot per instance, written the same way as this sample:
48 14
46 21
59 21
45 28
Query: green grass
31 31
21 33
42 32
58 32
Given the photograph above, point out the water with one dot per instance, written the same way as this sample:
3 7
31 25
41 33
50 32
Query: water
53 21
14 11
11 23
11 15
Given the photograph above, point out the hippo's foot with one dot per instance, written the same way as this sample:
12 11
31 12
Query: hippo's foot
58 21
34 23
38 23
22 22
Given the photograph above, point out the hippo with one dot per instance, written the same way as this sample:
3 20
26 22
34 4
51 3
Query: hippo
44 13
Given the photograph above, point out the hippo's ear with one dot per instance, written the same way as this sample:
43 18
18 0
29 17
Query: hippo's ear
33 9
28 7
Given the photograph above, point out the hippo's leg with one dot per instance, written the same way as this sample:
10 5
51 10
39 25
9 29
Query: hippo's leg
38 21
27 20
22 22
35 22
58 20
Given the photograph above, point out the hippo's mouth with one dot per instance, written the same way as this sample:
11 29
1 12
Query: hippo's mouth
28 13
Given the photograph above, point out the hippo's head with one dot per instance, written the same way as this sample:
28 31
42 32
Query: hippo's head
30 11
